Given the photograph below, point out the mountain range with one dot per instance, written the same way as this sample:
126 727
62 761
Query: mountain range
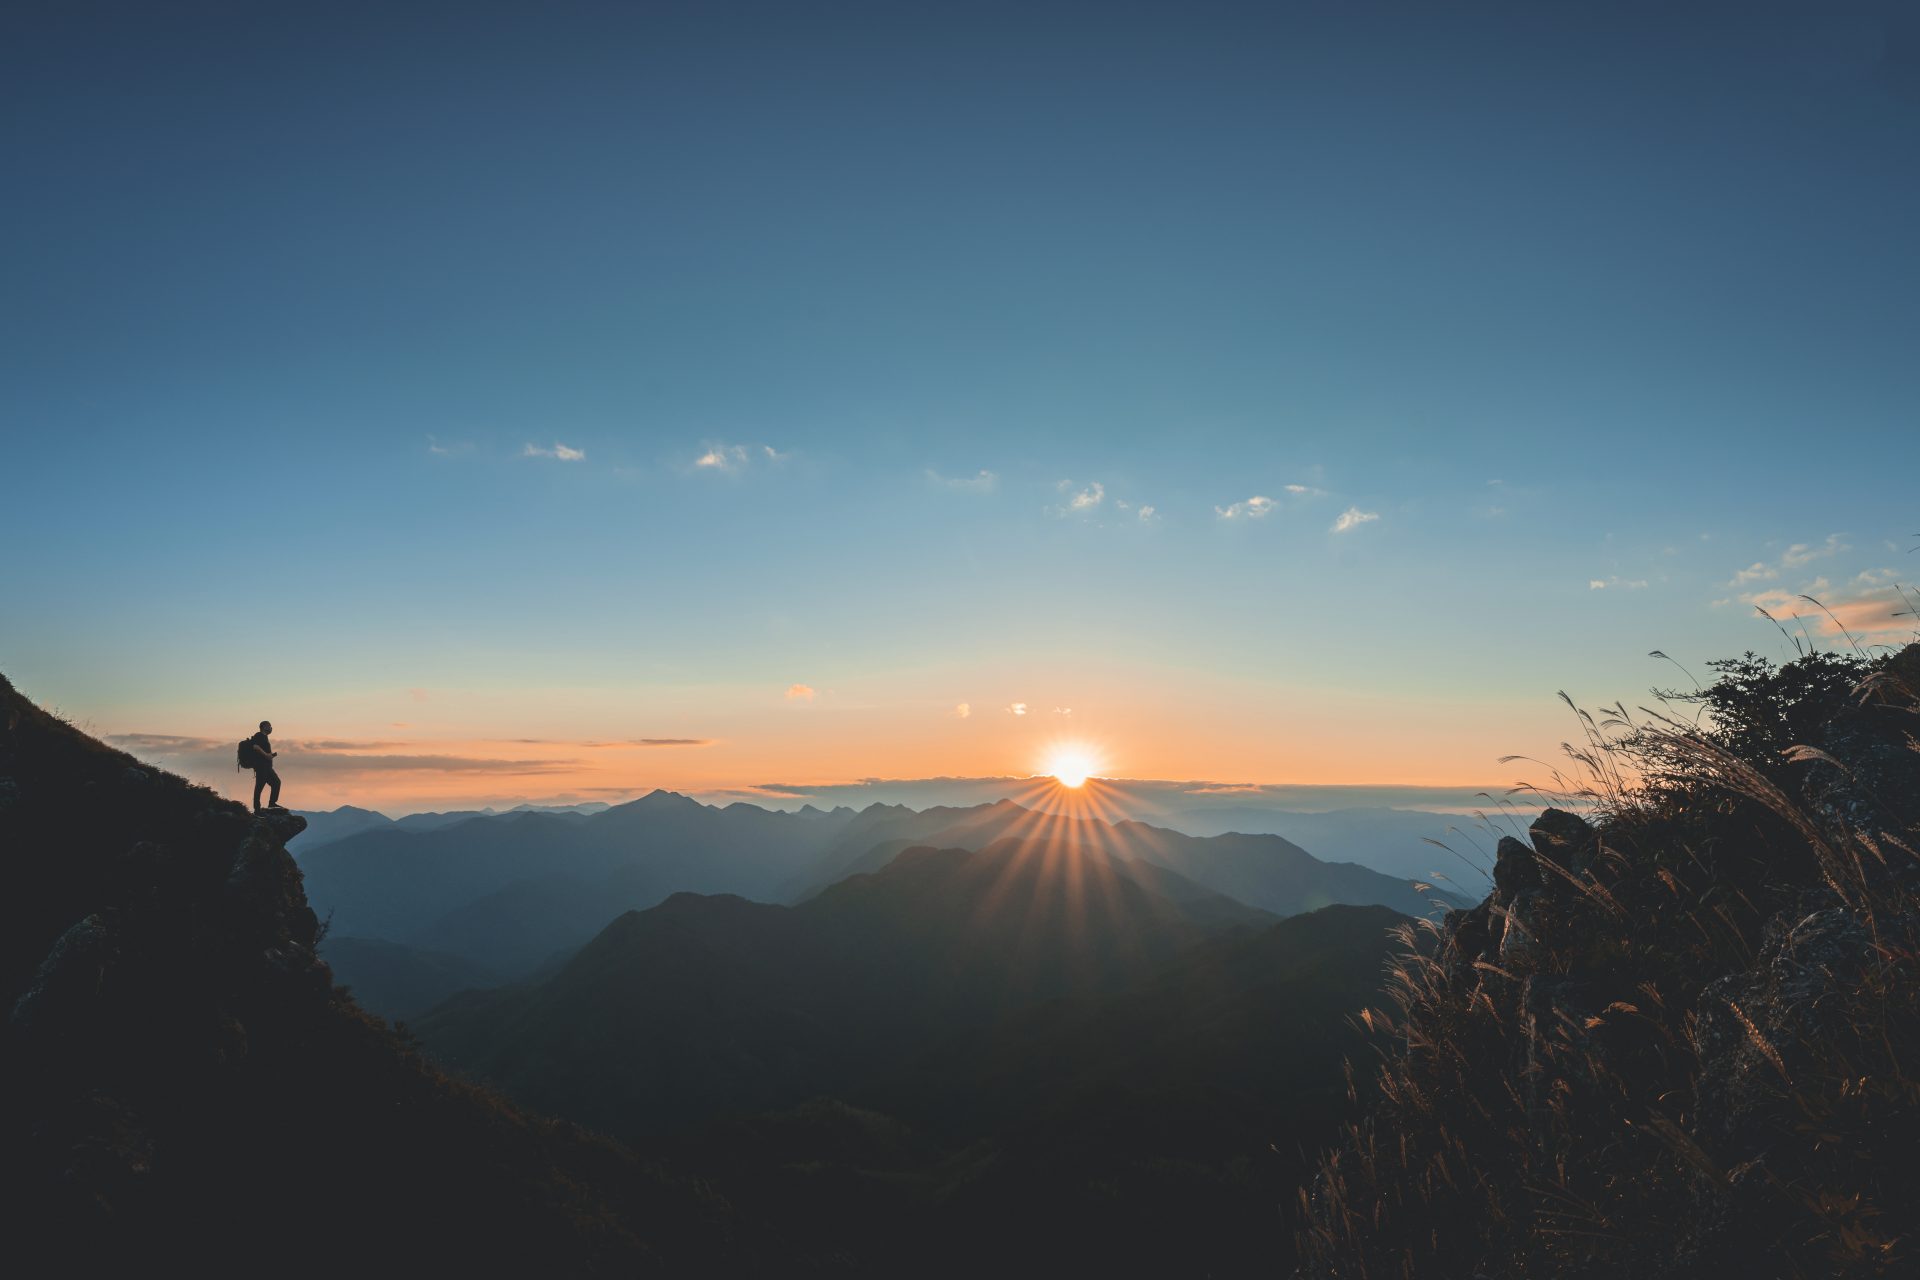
326 826
520 891
1393 841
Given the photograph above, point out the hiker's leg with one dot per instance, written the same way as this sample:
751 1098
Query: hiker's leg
273 779
259 781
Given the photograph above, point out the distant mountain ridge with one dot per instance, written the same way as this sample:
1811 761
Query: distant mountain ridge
326 826
1265 871
1395 842
513 890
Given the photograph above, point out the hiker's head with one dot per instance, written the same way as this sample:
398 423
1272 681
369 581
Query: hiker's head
266 726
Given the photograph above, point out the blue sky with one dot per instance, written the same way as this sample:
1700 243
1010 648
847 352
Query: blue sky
1550 295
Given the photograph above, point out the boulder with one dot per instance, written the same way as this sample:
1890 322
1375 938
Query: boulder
1565 838
1514 869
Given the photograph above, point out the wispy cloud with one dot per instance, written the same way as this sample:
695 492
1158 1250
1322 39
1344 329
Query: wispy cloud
1255 508
800 693
962 710
324 758
447 448
731 458
1304 491
722 457
561 452
985 482
337 744
162 744
1799 555
1017 708
1872 603
355 764
1147 514
1616 582
616 744
1353 518
1080 501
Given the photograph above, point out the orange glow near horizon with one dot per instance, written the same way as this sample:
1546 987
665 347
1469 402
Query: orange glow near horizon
406 772
405 751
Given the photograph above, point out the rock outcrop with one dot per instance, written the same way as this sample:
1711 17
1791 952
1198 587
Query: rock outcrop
1674 1042
182 1084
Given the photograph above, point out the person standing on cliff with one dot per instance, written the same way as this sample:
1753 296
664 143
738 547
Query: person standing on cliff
263 773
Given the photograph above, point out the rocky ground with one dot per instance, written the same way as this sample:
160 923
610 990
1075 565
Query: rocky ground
181 1082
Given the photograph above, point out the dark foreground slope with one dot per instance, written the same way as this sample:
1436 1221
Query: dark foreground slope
180 1082
705 1005
1684 1042
965 1059
1162 1129
400 982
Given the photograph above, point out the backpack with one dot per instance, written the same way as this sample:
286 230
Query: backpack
243 757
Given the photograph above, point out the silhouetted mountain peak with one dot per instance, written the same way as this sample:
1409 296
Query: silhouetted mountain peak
660 798
699 905
657 805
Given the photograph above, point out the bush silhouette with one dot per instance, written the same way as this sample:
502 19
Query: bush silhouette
1681 1040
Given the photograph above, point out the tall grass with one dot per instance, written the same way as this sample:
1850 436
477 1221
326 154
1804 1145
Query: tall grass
1684 1041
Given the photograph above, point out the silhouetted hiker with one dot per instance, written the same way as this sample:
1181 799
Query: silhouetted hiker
261 762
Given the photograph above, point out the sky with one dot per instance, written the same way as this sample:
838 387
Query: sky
553 402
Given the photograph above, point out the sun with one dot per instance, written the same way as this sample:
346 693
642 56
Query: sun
1071 766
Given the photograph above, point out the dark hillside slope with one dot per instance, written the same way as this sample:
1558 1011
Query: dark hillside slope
523 925
181 1085
703 1005
396 981
1680 1042
1158 1129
